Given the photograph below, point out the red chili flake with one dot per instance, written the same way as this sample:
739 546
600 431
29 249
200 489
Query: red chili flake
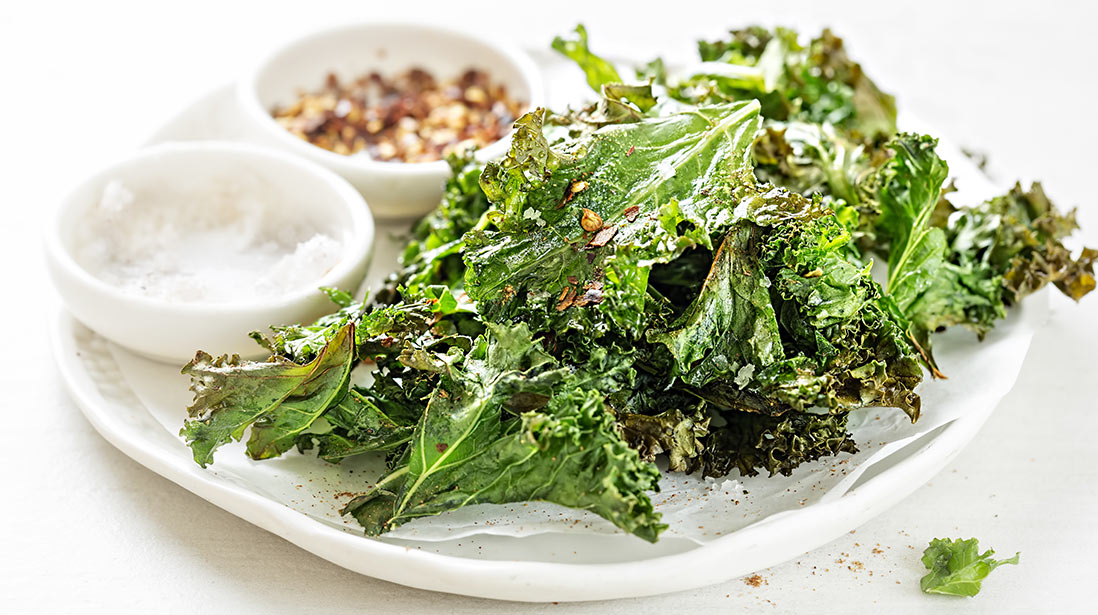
441 447
630 152
631 213
603 237
567 298
572 280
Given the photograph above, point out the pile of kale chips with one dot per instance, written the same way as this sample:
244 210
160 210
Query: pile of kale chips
679 269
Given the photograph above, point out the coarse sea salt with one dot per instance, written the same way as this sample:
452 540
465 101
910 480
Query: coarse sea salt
224 248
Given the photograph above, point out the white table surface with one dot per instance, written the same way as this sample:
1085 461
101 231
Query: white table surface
84 528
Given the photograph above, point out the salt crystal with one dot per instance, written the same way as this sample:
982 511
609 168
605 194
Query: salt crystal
221 248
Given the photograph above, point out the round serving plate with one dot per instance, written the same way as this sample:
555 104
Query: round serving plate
139 405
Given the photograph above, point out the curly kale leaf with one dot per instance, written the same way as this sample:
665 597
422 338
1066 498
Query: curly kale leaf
814 82
649 189
432 258
530 161
471 448
785 322
357 425
599 72
751 442
948 266
731 324
909 190
910 186
619 104
278 398
1019 237
997 253
281 398
983 260
376 328
813 159
302 343
678 435
656 418
957 568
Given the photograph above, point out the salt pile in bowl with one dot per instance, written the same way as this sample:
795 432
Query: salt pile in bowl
222 248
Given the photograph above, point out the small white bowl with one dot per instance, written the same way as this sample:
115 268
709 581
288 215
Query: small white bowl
172 331
393 189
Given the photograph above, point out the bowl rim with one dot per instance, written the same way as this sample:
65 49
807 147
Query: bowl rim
248 99
358 245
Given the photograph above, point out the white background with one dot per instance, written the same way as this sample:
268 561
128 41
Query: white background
84 528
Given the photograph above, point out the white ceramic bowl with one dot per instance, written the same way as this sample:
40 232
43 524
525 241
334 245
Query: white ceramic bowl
393 189
281 184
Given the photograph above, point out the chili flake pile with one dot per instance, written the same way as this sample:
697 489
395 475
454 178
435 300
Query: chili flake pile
409 118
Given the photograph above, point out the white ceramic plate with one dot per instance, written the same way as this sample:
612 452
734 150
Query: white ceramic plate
138 405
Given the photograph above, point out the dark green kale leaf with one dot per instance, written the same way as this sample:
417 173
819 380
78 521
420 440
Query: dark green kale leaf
432 258
376 328
731 324
750 442
957 568
657 186
1019 236
815 82
784 321
815 159
829 80
994 254
302 343
744 46
357 425
997 253
909 189
470 446
619 104
281 398
910 185
981 261
678 435
599 72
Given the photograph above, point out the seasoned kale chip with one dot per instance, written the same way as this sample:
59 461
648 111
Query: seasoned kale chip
681 268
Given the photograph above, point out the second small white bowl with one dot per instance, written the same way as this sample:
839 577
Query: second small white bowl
177 173
393 189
